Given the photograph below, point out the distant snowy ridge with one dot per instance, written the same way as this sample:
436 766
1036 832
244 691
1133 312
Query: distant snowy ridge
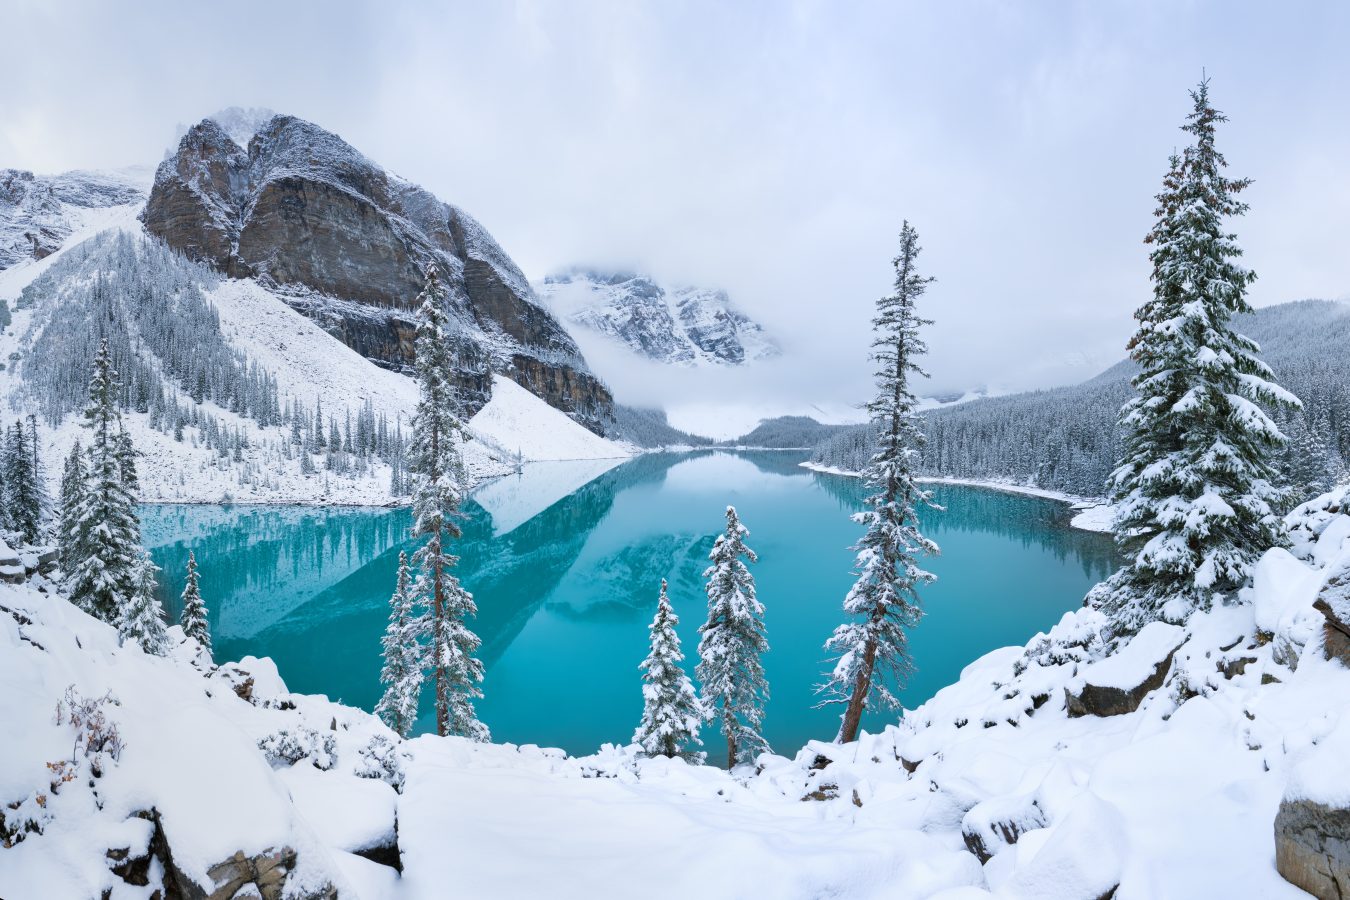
679 325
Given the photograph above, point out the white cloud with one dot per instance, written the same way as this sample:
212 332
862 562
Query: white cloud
769 149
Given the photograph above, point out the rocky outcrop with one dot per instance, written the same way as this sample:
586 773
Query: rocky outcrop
1118 684
1312 847
993 824
347 244
263 875
1334 604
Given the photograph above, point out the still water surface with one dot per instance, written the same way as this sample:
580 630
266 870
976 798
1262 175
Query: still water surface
565 565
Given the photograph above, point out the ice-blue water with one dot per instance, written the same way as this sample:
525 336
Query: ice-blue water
566 582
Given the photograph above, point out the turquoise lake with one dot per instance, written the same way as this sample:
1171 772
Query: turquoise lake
565 562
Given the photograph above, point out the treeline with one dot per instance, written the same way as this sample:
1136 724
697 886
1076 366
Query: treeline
1066 439
788 432
650 428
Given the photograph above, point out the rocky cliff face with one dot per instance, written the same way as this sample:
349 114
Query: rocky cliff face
347 243
37 211
680 325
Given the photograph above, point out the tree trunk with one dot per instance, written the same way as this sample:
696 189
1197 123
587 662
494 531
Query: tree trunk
857 701
437 631
729 726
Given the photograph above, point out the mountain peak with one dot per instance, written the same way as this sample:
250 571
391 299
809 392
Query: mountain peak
306 214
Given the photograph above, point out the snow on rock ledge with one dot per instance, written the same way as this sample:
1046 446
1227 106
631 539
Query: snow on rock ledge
1312 829
1119 683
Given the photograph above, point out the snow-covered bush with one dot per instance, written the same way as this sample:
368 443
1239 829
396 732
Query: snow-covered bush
96 735
97 743
286 747
381 759
1075 639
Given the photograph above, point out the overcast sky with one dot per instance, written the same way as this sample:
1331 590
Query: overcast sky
769 148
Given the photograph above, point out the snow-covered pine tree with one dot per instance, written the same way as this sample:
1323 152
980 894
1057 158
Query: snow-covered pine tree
193 618
74 486
22 497
41 501
671 711
1196 503
404 646
140 621
730 645
873 647
437 470
106 542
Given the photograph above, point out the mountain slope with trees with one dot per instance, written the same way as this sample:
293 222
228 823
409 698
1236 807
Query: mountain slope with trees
1066 438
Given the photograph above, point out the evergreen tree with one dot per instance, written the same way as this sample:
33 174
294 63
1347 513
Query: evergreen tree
1195 500
140 621
730 645
74 487
107 533
42 503
403 646
671 711
22 499
193 618
873 648
437 471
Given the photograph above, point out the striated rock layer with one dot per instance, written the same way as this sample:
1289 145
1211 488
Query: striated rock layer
347 244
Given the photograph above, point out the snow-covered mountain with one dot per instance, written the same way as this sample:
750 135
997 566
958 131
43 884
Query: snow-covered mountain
675 324
347 243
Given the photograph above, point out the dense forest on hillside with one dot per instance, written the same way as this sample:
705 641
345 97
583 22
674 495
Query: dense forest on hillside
1065 438
173 361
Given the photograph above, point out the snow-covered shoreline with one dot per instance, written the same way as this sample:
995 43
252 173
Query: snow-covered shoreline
1047 770
1091 513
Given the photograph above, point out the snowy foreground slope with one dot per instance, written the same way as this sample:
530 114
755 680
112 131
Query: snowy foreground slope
1050 771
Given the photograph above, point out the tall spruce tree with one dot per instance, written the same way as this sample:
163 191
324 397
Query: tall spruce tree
74 486
194 617
140 621
403 645
671 711
873 647
106 543
437 470
1195 492
731 643
22 496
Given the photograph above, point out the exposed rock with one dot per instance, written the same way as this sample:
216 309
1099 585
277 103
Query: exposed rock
239 681
347 244
1312 848
1118 684
385 854
131 862
1334 604
824 792
994 824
